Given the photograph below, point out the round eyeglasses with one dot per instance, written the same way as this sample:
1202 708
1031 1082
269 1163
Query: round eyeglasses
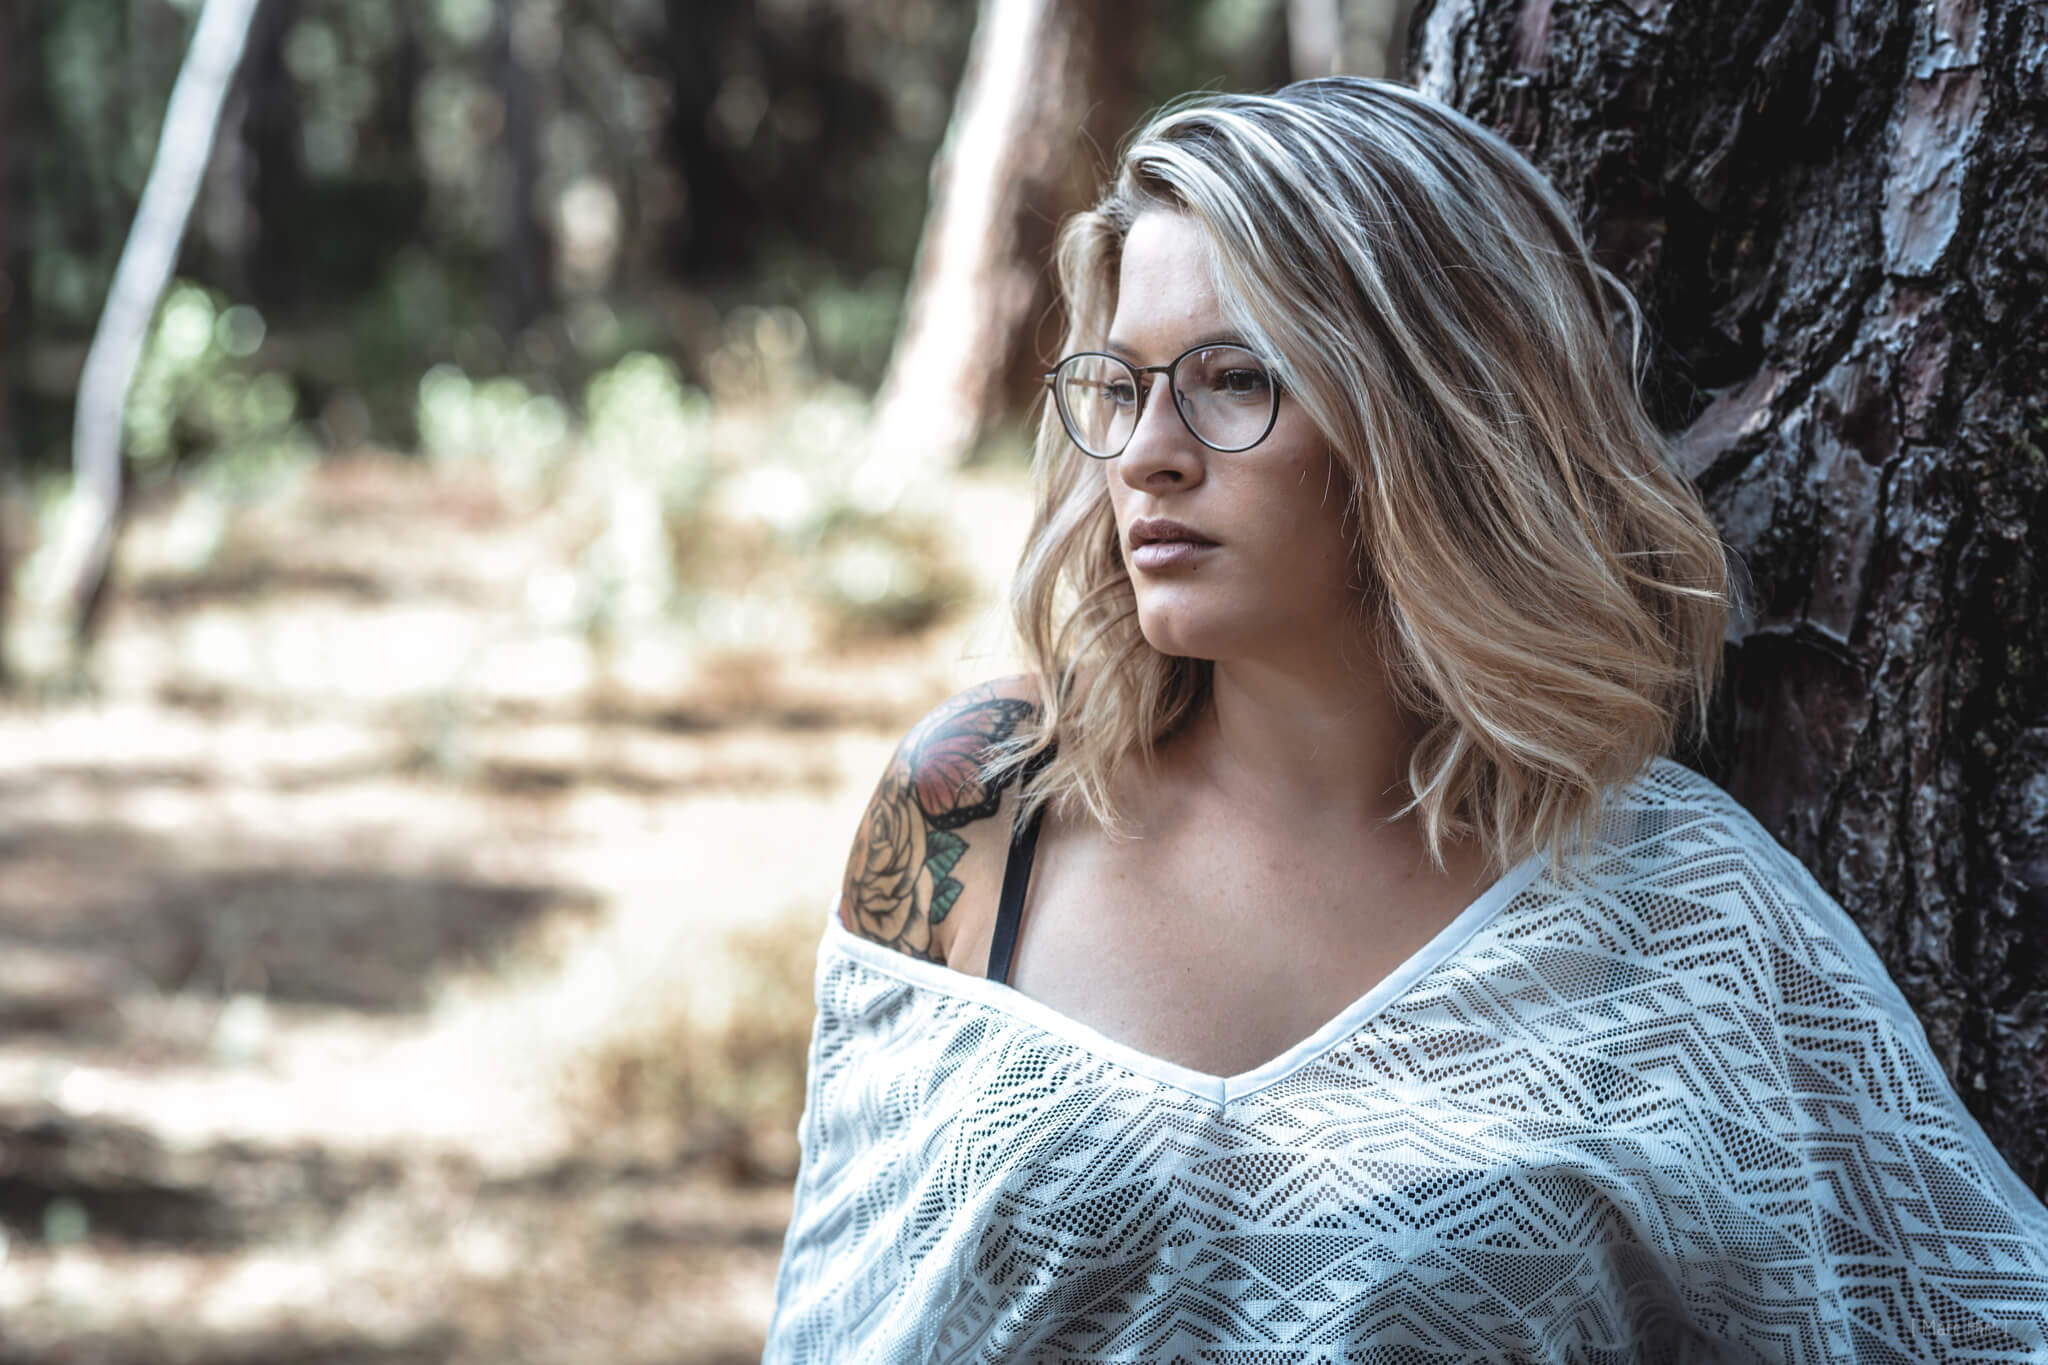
1226 396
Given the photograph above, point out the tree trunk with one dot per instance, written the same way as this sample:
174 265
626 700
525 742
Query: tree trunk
254 177
226 211
86 543
1836 217
271 132
522 268
12 282
1039 108
1354 37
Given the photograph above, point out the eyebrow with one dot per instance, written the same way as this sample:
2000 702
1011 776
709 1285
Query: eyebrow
1130 352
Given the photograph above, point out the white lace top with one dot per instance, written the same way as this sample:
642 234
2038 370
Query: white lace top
1669 1109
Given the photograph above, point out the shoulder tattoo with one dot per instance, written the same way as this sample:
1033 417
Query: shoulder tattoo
899 882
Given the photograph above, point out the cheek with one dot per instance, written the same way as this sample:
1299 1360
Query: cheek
1307 465
1320 518
1314 489
1325 482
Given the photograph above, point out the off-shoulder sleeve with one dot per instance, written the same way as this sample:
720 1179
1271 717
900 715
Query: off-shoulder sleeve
1859 1212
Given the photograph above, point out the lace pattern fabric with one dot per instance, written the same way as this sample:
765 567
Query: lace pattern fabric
1667 1109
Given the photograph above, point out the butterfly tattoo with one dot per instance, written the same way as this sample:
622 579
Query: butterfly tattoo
899 882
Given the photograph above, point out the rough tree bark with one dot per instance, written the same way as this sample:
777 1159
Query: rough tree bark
86 541
1837 215
1042 101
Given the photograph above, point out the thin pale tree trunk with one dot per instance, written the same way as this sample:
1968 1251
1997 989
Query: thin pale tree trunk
1042 98
1835 224
191 120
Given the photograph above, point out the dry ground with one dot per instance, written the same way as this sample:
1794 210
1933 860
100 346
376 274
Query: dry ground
390 973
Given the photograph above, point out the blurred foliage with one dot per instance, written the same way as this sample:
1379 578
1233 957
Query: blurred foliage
523 189
731 510
192 393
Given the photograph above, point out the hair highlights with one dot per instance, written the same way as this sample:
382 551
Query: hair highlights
1547 592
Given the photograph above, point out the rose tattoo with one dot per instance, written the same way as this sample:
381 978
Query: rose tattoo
899 882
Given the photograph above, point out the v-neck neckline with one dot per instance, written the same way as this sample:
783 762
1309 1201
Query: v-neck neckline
1009 1001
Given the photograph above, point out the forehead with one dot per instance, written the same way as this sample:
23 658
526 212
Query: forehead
1166 296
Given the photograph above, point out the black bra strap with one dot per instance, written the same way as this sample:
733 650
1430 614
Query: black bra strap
1016 877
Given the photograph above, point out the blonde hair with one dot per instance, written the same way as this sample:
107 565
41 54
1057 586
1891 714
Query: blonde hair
1546 591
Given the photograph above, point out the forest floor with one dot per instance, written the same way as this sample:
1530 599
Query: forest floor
388 974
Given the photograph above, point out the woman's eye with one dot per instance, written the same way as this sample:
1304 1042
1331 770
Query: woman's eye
1123 395
1242 383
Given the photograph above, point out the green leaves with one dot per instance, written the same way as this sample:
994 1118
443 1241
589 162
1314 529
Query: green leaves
942 850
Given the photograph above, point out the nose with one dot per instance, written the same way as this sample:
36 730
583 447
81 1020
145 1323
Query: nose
1162 451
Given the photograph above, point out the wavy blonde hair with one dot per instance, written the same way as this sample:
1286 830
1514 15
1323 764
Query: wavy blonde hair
1546 591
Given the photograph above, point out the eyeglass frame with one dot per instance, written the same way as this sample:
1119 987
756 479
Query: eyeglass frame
1145 393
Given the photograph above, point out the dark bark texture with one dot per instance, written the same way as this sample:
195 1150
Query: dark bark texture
1836 215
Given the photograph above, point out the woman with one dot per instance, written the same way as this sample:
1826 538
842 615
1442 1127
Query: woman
1359 982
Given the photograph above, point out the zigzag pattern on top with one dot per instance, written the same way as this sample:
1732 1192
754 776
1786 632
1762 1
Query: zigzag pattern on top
1669 1109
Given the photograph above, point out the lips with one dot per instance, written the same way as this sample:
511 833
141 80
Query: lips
1158 544
1154 530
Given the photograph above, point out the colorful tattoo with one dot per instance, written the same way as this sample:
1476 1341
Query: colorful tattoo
899 882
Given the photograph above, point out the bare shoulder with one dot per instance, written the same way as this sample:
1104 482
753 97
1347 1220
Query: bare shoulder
928 860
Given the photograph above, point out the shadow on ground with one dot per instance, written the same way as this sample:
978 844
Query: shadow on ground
141 908
430 1348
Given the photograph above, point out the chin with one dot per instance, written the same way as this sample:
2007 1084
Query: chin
1187 635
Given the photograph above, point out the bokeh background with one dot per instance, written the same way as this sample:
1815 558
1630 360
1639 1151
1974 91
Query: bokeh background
568 441
413 846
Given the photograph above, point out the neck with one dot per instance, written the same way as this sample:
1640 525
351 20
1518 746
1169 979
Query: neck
1305 740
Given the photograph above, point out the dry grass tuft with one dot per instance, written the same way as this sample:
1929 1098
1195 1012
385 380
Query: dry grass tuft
719 1080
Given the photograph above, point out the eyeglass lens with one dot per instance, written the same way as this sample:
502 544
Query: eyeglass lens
1224 394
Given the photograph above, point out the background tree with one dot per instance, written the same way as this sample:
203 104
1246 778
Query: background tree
521 44
1834 215
12 71
147 260
1046 95
1351 37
